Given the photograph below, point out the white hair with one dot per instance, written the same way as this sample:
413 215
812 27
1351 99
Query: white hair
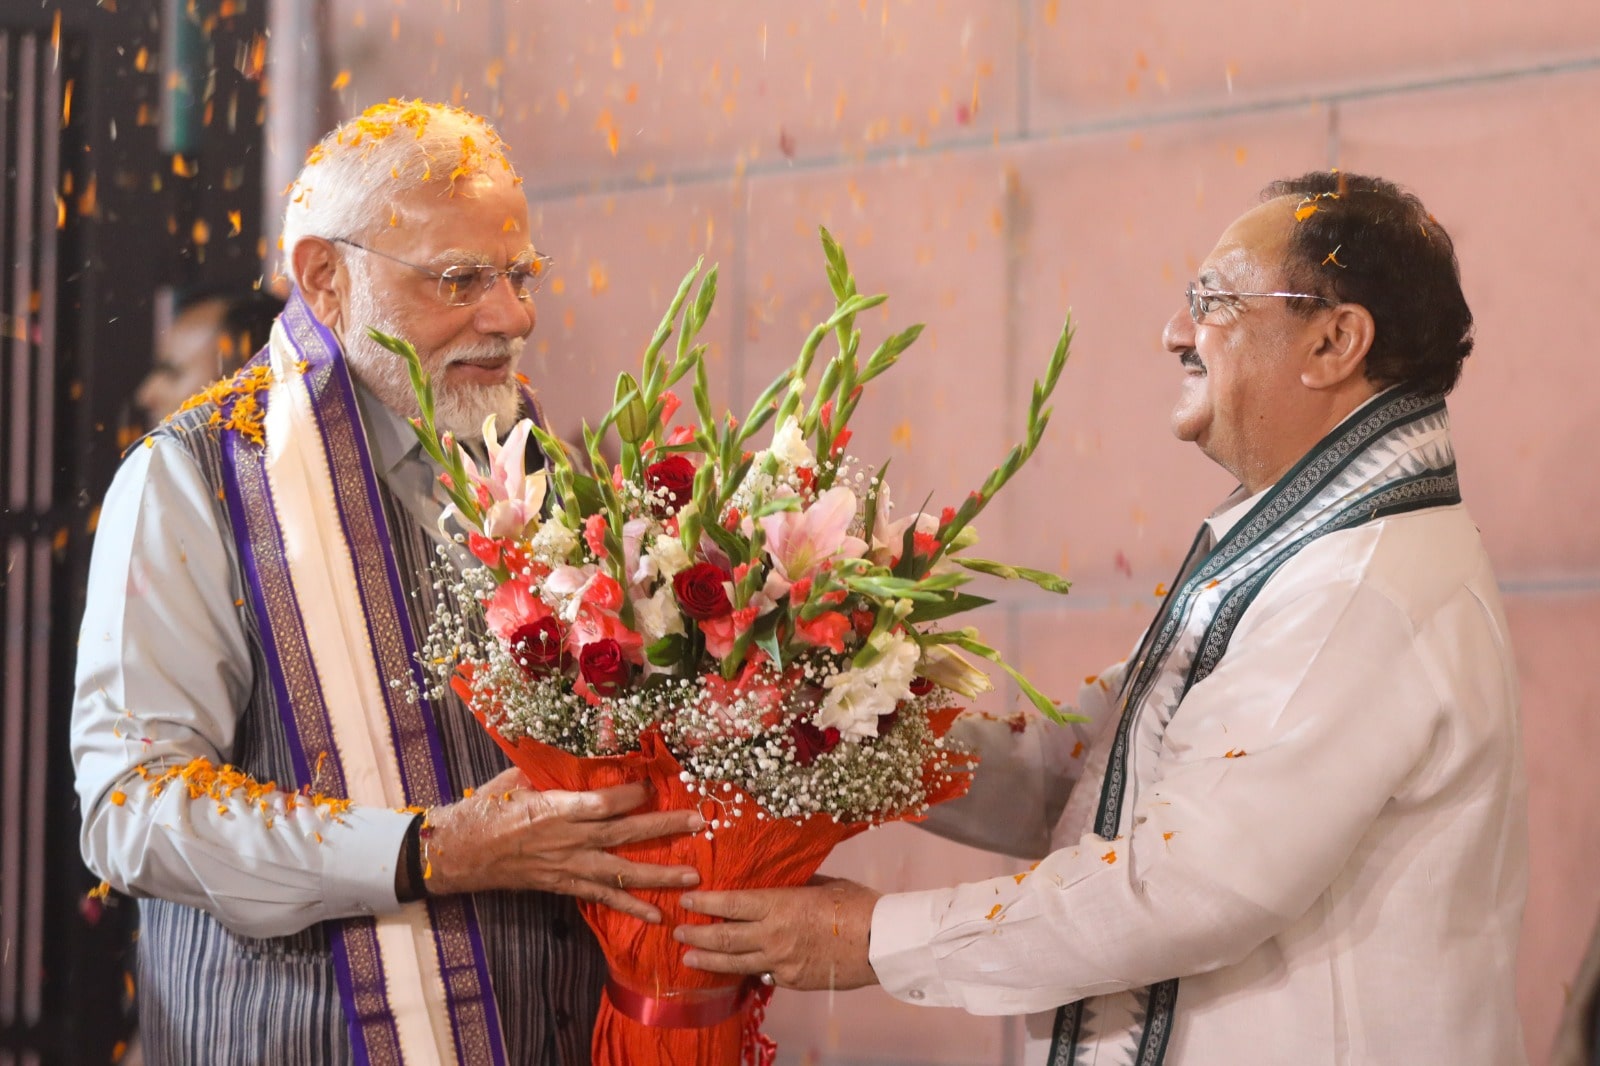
351 178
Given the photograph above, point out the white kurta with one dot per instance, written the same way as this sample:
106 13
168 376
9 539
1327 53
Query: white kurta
1329 842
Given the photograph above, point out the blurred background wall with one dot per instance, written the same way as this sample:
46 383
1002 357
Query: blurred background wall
991 164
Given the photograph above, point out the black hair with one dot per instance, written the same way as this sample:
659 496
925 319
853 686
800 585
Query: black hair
1363 240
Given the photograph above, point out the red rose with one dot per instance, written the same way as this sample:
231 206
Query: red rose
864 621
603 666
671 484
921 686
810 741
886 721
701 593
537 647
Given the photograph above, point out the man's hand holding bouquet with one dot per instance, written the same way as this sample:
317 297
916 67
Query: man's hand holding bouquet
751 630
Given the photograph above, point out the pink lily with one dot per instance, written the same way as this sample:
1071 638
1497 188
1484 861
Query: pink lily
799 542
514 497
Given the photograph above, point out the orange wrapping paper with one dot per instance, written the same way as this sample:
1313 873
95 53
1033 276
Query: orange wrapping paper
750 853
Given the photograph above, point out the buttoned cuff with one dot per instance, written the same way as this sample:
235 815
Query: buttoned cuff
358 866
903 929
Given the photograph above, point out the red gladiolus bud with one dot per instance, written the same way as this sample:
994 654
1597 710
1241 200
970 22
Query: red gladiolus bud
594 534
701 591
537 647
671 484
603 667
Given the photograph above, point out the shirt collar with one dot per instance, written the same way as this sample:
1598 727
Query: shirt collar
1231 510
389 434
1238 504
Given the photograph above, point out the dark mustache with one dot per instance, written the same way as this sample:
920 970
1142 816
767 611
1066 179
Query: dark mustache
1191 358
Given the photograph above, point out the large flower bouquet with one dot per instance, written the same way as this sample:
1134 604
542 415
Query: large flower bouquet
751 628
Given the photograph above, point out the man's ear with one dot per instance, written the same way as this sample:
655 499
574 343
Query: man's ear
1340 350
317 271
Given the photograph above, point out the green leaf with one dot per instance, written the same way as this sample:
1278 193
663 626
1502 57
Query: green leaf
587 491
668 651
957 603
764 635
1043 578
775 505
1035 697
736 478
734 546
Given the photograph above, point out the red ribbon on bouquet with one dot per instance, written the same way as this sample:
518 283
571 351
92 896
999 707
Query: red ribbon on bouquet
686 1020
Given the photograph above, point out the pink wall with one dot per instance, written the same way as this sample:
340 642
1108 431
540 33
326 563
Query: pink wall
991 164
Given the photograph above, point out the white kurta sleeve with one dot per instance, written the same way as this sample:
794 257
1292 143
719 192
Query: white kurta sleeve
1024 773
1268 776
164 671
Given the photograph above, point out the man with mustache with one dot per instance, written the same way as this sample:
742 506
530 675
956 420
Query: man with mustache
329 868
1295 829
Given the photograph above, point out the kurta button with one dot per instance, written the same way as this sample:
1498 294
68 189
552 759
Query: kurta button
915 993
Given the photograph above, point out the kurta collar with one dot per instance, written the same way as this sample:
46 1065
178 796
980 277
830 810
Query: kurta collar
388 433
1237 505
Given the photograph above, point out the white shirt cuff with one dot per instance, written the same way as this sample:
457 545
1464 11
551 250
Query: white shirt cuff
901 953
358 871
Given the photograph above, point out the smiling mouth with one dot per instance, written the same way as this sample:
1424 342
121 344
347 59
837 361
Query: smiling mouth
494 362
1191 362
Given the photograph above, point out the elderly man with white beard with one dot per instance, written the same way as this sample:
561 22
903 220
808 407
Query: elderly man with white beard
331 869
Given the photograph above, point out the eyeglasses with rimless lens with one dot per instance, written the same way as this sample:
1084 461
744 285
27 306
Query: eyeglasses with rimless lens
467 283
1203 301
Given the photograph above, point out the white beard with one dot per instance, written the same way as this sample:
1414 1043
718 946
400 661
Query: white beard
459 409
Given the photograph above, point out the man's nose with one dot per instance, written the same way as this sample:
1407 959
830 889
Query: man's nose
1178 334
501 313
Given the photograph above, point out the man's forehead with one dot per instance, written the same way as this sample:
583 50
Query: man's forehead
1255 241
491 206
